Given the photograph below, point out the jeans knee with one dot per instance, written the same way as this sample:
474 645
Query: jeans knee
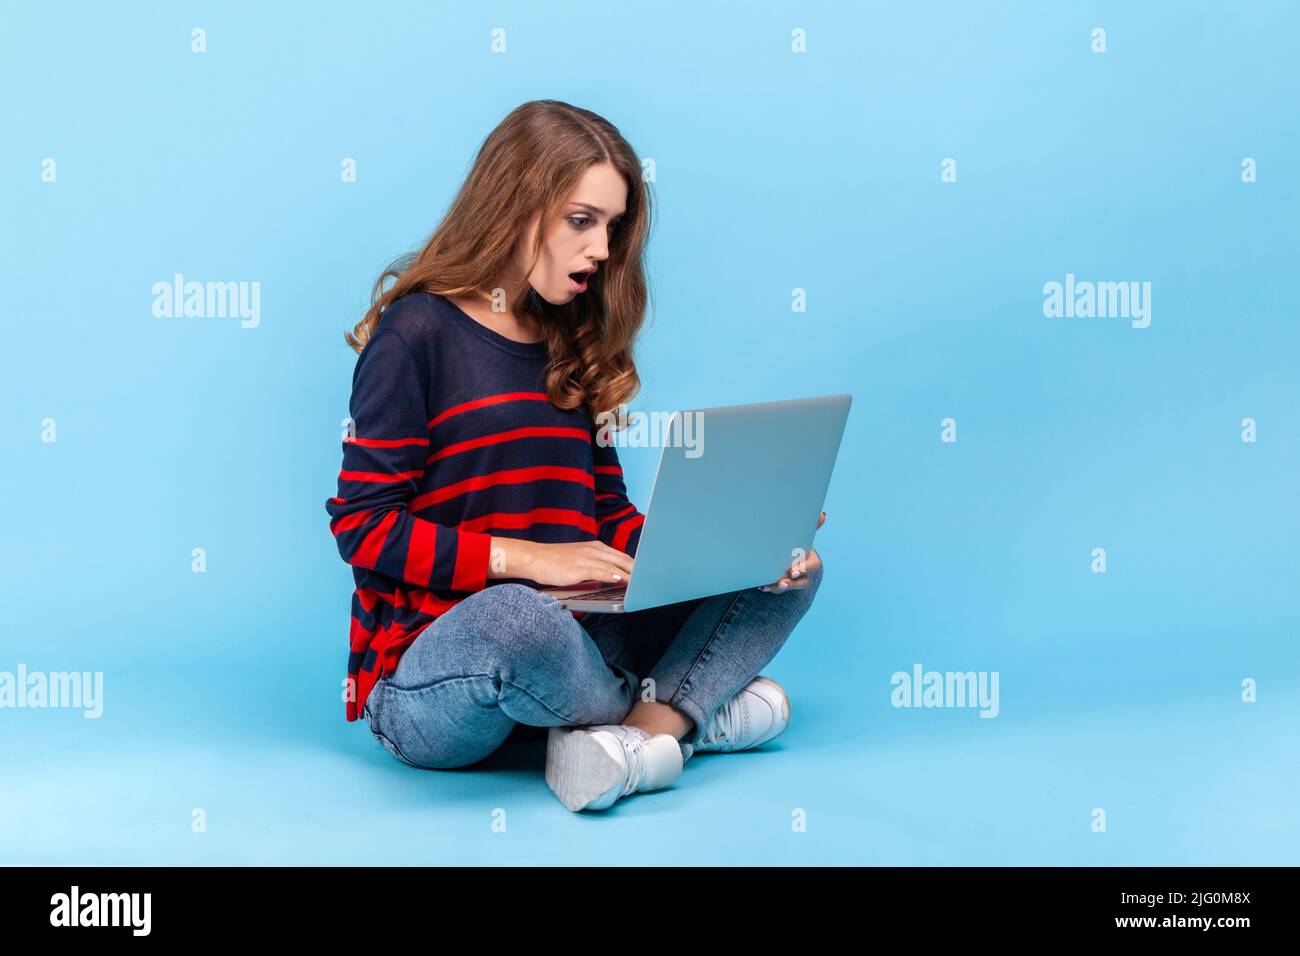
516 620
512 607
446 755
417 735
510 597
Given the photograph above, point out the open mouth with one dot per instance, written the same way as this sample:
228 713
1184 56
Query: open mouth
578 281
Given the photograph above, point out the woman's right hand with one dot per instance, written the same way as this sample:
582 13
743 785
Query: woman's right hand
558 565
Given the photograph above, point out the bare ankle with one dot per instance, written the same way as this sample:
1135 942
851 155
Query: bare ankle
658 718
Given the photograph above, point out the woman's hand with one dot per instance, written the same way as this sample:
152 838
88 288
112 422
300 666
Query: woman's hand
559 564
797 576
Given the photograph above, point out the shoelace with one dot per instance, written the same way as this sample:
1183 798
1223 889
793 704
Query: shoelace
632 747
726 721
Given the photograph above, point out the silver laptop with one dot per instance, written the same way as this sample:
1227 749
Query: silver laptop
735 501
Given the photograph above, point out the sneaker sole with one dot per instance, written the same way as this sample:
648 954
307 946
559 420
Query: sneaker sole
578 768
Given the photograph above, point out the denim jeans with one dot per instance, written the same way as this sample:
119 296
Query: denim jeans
511 654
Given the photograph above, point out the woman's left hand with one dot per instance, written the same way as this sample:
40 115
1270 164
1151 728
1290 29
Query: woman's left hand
797 576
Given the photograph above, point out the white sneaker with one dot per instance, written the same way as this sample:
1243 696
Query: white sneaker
759 713
589 768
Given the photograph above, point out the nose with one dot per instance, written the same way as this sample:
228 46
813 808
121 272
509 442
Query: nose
599 251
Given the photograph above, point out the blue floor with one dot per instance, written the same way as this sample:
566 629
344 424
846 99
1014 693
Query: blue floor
1200 778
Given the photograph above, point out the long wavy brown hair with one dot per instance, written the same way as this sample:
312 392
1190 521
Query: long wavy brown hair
534 160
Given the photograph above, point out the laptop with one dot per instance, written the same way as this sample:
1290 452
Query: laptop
735 501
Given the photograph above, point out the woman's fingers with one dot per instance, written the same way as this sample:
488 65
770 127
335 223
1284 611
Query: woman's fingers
806 567
786 584
616 571
799 570
613 556
798 576
602 571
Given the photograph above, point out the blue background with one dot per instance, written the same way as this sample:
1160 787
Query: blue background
775 171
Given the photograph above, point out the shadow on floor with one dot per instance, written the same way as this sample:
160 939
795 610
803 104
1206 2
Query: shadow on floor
524 749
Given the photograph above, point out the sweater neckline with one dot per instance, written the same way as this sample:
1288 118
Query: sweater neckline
524 349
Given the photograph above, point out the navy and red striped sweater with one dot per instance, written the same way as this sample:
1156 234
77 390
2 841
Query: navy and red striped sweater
454 442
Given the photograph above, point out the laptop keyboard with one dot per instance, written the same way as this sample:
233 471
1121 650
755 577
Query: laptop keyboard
604 594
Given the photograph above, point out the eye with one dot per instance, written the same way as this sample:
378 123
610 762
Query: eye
579 222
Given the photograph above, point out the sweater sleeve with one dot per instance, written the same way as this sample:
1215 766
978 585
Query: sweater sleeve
618 523
382 467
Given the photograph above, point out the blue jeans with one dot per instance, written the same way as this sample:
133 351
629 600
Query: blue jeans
510 654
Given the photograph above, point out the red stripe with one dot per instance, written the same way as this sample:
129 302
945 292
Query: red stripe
511 435
509 476
386 442
420 552
483 402
609 470
368 598
617 514
472 553
367 553
348 522
358 636
625 531
429 602
527 519
379 476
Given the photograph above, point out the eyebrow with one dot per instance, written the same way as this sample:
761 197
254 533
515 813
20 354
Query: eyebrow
596 209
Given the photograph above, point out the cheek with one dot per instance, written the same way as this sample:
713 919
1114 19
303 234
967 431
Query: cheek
561 248
546 264
544 271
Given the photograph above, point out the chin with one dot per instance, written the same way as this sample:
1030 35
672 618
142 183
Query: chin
553 300
561 299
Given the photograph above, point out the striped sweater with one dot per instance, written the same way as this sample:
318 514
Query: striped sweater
452 442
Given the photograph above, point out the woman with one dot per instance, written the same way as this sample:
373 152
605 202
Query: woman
471 477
